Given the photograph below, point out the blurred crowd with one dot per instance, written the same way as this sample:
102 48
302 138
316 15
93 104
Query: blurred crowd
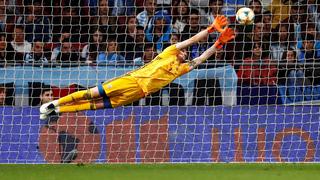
281 47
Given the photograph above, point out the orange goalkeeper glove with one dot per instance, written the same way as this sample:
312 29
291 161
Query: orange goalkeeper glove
219 24
225 37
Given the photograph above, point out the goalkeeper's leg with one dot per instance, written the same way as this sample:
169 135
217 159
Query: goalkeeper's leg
74 98
89 94
81 106
115 93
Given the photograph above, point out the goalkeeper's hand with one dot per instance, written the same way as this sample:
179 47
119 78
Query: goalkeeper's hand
220 23
225 37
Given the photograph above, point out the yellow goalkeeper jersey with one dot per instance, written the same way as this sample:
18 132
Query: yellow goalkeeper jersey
161 71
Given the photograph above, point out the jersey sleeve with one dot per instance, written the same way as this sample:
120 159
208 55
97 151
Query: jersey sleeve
171 50
184 68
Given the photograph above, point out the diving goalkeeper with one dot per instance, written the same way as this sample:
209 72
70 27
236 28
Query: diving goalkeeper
137 84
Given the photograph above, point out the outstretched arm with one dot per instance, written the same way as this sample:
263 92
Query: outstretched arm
219 24
226 36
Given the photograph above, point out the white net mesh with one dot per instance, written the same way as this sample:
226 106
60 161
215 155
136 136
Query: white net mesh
253 101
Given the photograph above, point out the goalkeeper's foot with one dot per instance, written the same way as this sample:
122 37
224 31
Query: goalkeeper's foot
52 114
46 110
43 116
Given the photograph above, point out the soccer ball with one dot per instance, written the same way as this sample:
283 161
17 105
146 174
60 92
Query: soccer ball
245 16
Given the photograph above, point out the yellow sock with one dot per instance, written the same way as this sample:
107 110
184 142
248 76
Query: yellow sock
74 97
81 106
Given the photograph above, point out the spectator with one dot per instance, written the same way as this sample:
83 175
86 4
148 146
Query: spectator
202 7
257 34
313 11
282 40
3 45
197 49
112 53
37 54
309 52
311 58
46 95
215 9
180 14
6 51
309 28
123 7
244 43
144 18
3 16
90 52
175 3
280 10
69 21
256 6
148 54
8 13
18 47
3 95
61 24
64 53
295 20
106 23
224 72
139 43
291 73
266 20
127 39
37 26
193 27
160 31
174 38
258 69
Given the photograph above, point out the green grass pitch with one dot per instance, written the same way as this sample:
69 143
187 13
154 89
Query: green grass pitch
161 171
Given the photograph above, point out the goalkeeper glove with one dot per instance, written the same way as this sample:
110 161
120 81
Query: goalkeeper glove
225 37
219 24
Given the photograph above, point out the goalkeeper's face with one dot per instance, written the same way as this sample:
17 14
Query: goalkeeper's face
182 56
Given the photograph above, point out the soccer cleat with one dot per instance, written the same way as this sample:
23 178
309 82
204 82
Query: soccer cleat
47 108
51 115
43 117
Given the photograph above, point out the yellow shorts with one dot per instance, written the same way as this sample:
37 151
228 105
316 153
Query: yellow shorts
120 91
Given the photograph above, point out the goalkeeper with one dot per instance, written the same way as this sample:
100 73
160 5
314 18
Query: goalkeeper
134 85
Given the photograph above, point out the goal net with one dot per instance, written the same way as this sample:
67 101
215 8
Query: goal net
255 100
